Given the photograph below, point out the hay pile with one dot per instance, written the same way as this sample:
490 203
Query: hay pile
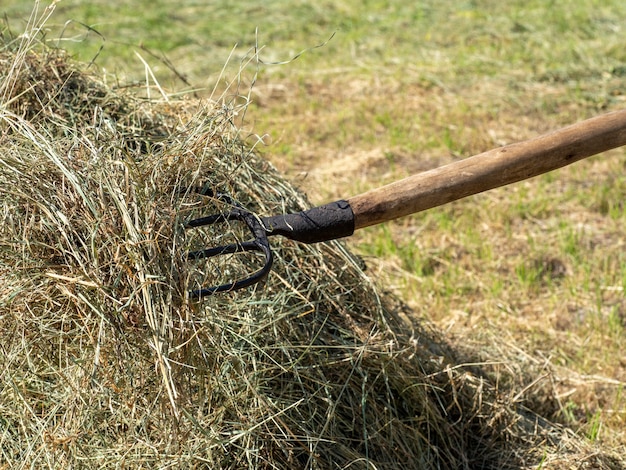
105 362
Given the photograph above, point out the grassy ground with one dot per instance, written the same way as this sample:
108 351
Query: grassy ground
401 87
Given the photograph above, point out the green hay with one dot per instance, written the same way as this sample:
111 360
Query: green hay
105 362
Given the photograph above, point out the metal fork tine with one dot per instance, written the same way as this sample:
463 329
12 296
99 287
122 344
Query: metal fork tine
232 286
224 250
213 219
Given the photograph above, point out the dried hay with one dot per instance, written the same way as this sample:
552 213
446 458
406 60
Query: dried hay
105 362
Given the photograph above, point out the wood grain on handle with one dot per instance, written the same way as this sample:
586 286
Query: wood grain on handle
491 169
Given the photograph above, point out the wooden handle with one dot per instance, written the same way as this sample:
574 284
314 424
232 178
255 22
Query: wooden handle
491 169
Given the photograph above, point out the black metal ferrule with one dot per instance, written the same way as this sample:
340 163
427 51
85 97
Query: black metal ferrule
320 224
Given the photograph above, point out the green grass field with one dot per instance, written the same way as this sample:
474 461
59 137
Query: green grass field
399 87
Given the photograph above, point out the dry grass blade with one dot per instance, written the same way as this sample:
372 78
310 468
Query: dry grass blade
106 363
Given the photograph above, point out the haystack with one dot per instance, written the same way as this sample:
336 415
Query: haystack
106 362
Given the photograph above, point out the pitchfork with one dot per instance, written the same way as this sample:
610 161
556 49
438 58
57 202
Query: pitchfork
488 170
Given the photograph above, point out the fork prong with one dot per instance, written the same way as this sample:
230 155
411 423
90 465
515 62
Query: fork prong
208 220
232 286
223 250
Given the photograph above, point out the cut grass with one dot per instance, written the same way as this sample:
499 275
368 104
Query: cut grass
426 83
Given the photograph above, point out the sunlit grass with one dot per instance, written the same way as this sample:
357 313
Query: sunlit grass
405 86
